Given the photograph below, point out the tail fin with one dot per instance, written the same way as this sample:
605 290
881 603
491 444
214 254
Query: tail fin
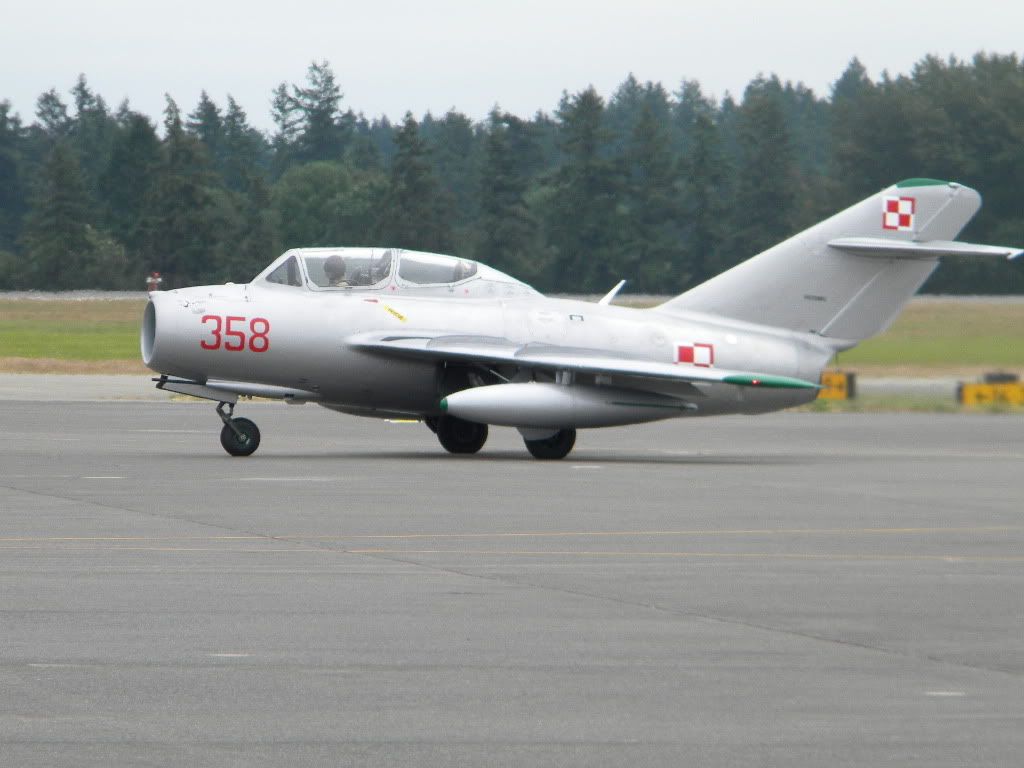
849 276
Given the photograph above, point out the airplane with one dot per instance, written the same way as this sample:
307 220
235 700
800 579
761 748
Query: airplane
403 334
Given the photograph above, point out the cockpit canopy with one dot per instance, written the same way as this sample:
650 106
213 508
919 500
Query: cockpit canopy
391 269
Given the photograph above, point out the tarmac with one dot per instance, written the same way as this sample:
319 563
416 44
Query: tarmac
785 590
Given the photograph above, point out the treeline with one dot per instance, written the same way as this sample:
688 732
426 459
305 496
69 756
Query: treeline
664 188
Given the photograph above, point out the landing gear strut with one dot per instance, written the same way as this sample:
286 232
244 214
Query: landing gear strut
240 437
460 436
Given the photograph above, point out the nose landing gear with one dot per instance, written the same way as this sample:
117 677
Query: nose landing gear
240 437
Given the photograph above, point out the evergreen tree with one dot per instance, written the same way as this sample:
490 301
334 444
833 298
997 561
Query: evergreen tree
125 184
690 104
705 195
207 125
416 213
53 117
245 153
652 256
310 124
186 213
508 232
92 130
585 223
626 107
382 135
254 242
452 144
13 203
873 137
362 152
326 204
764 207
61 247
287 120
55 232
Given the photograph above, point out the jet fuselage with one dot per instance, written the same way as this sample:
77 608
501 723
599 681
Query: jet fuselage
282 337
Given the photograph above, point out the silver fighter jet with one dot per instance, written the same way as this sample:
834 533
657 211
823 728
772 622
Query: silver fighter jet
404 334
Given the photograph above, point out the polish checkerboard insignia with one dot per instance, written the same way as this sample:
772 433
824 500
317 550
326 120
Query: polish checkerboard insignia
702 355
898 213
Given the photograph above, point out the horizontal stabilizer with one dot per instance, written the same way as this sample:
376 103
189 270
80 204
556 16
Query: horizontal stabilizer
912 249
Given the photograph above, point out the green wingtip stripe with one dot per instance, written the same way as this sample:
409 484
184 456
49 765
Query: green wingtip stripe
443 405
922 183
770 382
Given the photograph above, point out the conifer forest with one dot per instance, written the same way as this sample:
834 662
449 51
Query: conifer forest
656 183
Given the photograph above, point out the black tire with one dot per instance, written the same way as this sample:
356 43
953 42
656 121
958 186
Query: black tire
431 422
461 436
555 447
244 446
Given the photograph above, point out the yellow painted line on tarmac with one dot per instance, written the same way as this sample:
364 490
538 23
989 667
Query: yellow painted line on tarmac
212 550
693 531
537 553
133 538
536 534
683 555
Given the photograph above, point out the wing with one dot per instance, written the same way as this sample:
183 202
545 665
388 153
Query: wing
500 351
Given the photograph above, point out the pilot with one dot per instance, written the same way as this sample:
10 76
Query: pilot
334 268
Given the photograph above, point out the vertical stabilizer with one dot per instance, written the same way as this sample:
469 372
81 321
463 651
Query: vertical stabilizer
817 281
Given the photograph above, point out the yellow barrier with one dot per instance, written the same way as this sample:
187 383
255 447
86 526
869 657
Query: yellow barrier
838 385
1007 393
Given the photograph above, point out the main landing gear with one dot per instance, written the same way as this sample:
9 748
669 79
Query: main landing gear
458 435
465 437
555 447
240 437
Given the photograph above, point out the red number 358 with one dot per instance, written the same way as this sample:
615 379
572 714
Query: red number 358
226 333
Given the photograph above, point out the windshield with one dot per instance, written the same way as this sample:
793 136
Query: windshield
286 274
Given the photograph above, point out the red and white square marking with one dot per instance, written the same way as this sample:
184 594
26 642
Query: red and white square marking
696 354
898 213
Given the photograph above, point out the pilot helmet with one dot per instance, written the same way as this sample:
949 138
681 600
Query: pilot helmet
334 267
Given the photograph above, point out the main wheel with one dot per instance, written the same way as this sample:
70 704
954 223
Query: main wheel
461 436
242 445
555 447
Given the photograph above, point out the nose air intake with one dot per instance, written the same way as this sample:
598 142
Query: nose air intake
147 338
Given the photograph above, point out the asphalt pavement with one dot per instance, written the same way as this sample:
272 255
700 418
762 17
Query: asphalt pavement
784 590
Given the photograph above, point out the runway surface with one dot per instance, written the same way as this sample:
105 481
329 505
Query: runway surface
786 590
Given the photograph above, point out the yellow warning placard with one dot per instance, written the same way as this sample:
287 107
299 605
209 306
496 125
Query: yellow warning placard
837 385
1004 393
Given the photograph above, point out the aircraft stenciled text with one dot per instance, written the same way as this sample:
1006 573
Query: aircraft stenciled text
225 335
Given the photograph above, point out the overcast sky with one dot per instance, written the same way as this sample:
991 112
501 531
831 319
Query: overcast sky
391 56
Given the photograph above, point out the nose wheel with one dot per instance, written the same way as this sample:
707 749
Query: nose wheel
240 437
